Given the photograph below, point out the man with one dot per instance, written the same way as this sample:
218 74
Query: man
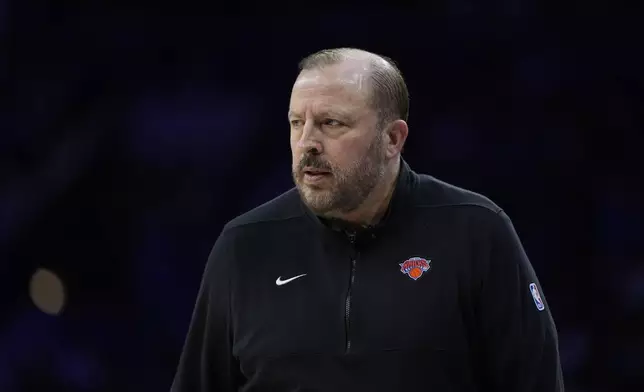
367 276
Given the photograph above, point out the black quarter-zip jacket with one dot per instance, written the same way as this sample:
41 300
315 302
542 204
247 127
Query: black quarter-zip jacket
439 297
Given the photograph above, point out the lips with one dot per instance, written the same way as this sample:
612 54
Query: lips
315 172
315 177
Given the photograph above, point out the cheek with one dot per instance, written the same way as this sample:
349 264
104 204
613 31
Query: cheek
293 137
293 141
295 156
345 155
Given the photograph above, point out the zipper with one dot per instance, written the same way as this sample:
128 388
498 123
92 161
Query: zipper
347 302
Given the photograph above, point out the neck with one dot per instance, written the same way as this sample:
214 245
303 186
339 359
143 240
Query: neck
376 204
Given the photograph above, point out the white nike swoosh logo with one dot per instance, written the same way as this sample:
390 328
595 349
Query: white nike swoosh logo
280 282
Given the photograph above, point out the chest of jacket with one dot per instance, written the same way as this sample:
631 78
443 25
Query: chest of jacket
306 293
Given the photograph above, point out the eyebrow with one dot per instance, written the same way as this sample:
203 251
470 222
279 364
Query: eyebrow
330 113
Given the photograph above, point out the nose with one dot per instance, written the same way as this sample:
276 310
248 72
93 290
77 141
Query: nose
309 139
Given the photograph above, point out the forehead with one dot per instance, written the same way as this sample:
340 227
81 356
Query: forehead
337 87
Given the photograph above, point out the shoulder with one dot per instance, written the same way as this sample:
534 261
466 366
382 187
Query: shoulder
431 192
256 225
282 208
476 217
451 205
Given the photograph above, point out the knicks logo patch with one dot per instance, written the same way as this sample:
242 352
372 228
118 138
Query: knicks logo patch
415 267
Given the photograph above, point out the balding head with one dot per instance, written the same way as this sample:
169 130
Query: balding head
389 96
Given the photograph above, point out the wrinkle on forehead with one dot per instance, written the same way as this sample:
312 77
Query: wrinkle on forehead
325 95
340 87
350 75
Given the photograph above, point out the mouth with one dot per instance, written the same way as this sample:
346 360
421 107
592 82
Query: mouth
315 175
315 172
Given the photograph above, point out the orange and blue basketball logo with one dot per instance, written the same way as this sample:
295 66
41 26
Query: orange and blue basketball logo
415 267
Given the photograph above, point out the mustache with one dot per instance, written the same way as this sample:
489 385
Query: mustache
315 162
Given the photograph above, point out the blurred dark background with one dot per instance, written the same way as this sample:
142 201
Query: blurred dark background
131 135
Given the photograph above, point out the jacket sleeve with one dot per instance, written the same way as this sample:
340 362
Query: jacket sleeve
519 336
206 363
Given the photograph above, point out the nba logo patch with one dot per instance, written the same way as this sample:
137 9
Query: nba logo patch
537 297
415 267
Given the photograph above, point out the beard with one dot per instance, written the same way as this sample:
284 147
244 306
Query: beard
348 187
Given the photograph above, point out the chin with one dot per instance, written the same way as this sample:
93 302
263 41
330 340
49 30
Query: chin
323 211
318 200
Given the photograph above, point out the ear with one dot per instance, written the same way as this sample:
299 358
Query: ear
396 135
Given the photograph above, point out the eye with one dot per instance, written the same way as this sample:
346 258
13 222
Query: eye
296 123
332 123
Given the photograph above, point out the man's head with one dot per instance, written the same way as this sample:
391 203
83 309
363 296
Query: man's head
348 113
